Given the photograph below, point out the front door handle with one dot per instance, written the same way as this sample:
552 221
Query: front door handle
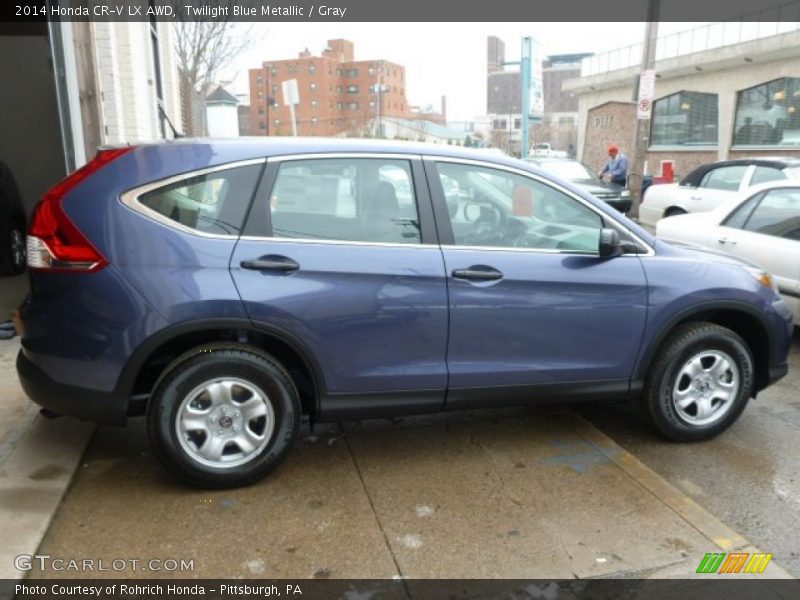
725 240
477 273
271 262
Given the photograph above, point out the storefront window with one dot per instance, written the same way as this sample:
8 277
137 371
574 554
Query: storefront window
769 114
685 119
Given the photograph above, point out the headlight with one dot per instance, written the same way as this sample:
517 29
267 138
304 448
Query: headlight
762 277
625 194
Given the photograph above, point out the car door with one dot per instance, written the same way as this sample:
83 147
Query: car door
340 256
533 308
765 229
717 186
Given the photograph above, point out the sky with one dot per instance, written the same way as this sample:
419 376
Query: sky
440 58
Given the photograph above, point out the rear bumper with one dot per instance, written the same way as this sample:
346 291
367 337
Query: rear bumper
82 403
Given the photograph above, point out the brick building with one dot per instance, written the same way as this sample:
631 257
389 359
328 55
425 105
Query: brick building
338 94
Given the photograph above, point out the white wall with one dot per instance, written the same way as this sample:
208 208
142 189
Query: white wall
125 74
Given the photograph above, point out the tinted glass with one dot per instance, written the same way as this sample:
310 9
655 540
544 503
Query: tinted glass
767 115
357 200
213 203
685 119
778 214
495 208
725 178
764 174
738 217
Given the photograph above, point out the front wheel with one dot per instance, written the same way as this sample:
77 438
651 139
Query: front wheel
700 383
223 416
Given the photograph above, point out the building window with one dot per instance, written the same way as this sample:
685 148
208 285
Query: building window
352 72
261 110
352 105
352 89
340 105
312 69
566 121
371 103
314 104
262 125
260 93
338 72
372 70
314 120
274 70
685 119
277 122
339 89
769 114
259 79
274 89
313 87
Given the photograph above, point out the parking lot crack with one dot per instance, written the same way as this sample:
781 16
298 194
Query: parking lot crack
376 516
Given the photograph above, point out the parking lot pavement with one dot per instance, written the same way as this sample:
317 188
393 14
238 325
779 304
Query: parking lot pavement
748 477
37 460
521 493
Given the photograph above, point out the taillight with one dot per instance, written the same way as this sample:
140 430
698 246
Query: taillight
54 242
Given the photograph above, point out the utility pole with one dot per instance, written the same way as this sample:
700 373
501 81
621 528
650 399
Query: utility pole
644 107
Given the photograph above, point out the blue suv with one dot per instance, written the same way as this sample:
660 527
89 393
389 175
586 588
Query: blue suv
223 289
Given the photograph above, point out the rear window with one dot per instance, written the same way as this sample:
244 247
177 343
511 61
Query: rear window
214 203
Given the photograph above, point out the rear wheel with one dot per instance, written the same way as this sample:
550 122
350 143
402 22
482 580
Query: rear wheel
223 416
700 383
674 212
14 250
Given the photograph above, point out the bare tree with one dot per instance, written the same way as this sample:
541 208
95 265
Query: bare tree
206 47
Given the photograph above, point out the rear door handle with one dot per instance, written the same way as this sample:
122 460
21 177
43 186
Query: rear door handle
477 273
271 262
725 240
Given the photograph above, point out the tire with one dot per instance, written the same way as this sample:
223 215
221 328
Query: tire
197 417
687 385
674 212
14 256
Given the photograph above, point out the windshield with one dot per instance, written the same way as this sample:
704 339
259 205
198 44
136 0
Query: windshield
571 170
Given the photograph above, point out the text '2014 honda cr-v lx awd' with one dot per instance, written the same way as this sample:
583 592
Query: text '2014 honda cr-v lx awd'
223 289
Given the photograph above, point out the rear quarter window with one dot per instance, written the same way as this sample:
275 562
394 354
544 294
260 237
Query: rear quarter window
213 203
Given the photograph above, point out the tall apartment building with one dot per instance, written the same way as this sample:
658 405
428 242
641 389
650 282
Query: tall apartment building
338 94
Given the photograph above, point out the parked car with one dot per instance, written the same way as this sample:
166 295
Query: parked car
224 288
580 174
12 225
544 150
761 225
708 186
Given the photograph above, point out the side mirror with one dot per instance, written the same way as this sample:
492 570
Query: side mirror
609 244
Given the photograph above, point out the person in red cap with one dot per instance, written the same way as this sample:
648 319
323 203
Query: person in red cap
617 166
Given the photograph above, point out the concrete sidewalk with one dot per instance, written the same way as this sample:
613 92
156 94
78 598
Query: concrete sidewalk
523 493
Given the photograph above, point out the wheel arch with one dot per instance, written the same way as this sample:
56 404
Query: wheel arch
741 318
150 359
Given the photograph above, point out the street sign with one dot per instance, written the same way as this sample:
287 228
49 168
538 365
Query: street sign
291 95
647 85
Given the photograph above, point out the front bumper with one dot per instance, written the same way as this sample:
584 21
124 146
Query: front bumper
82 403
623 205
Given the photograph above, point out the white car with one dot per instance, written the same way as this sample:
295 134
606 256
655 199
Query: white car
760 225
708 186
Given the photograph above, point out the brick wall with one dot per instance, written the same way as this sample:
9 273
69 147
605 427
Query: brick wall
609 123
335 93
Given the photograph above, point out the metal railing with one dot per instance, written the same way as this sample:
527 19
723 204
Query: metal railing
753 26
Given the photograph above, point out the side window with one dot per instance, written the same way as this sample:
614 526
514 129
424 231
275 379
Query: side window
738 217
778 214
348 199
764 174
724 178
495 208
214 203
